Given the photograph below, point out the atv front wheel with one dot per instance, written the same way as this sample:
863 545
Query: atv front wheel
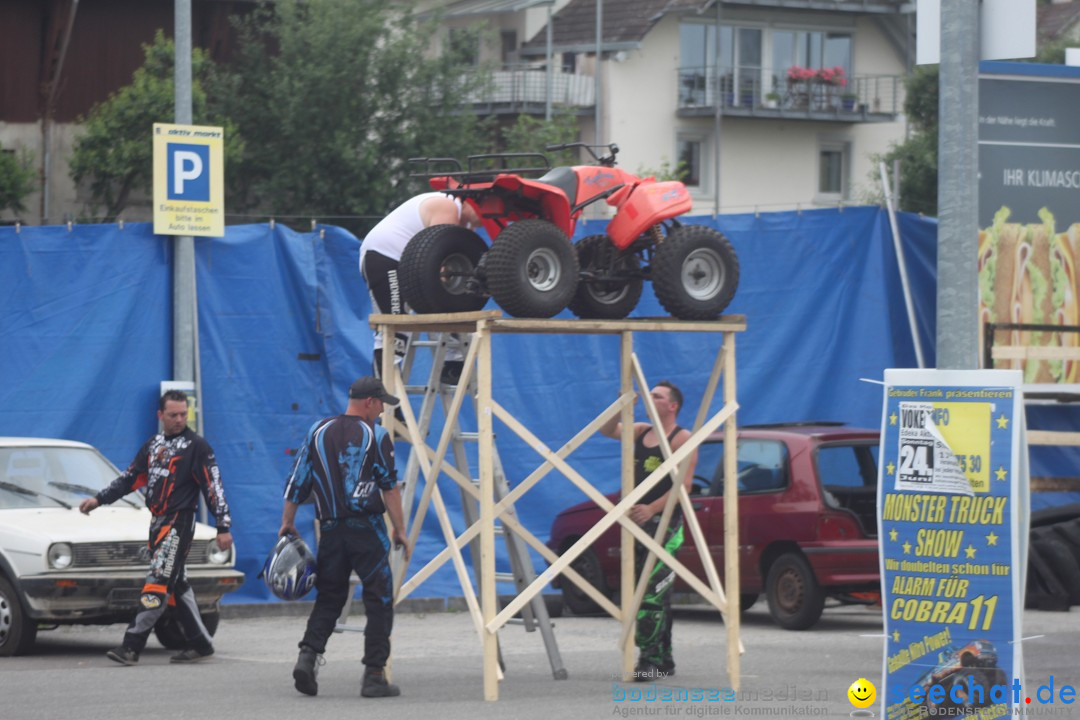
695 272
531 269
612 287
437 271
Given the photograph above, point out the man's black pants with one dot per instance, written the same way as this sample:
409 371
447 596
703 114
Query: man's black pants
359 544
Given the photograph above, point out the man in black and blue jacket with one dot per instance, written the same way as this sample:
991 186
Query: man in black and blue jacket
347 463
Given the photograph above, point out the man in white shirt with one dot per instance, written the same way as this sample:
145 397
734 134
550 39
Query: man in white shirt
381 252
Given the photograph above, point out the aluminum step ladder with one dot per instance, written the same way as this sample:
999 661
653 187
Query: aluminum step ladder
534 615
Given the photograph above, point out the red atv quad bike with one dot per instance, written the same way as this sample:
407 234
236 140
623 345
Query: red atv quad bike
533 270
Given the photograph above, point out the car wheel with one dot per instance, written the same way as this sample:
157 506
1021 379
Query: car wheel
695 272
532 269
795 598
614 286
17 630
574 598
1061 561
170 633
438 270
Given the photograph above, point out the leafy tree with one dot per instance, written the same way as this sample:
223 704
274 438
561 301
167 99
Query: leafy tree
531 134
16 180
918 154
334 96
114 157
666 171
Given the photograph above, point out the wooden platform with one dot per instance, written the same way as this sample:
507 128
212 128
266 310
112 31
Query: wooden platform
485 324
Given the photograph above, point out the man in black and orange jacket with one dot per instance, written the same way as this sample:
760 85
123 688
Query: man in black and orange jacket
174 466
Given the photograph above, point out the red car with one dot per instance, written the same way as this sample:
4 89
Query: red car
807 521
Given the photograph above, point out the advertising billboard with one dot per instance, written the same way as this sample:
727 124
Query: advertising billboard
1029 213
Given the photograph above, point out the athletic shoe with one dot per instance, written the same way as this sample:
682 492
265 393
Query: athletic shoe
123 655
191 655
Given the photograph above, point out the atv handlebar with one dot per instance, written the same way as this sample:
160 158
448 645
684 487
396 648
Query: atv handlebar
605 160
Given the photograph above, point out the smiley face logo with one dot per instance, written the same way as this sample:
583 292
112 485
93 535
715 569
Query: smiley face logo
862 693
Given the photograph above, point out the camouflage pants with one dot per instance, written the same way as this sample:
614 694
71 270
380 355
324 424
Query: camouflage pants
653 636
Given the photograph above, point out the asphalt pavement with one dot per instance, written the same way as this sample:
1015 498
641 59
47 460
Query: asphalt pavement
437 663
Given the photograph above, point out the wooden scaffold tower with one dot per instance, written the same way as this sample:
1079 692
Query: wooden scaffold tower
496 504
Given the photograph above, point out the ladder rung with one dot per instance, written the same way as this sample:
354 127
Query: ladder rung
417 342
521 621
468 436
415 389
505 577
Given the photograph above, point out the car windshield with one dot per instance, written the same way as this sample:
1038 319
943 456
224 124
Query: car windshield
762 466
47 477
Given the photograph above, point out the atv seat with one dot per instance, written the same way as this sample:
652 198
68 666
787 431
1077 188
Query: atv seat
563 178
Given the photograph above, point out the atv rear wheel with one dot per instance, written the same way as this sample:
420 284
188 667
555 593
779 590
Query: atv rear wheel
695 272
615 284
532 269
438 270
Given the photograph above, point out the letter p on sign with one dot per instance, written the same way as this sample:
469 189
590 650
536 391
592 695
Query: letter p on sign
188 172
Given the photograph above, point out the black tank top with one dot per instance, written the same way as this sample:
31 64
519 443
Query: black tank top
647 459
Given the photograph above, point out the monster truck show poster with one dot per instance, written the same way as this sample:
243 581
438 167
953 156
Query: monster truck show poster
1029 211
952 510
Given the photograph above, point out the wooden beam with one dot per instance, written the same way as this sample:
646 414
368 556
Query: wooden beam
617 513
1031 352
1053 437
466 322
731 513
626 540
486 461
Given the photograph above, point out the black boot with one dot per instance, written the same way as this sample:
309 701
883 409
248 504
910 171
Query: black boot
307 668
375 684
451 372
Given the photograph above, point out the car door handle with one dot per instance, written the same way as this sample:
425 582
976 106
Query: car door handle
700 506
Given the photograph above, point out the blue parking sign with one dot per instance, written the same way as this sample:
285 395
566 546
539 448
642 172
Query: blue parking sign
188 173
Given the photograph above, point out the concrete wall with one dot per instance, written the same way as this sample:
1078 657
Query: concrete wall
63 203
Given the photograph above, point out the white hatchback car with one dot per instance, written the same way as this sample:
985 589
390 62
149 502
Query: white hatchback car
58 566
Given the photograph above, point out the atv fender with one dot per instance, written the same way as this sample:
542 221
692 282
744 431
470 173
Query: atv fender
555 207
648 205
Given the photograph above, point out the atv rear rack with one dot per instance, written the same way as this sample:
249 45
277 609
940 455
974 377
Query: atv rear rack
481 168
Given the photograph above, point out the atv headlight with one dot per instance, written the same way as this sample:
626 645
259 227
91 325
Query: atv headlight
216 555
60 556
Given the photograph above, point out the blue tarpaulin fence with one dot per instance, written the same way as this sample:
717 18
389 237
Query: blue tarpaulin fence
85 339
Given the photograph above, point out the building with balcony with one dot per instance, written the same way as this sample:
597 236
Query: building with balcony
763 104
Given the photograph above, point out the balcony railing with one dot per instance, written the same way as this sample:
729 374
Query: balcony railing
514 87
768 92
